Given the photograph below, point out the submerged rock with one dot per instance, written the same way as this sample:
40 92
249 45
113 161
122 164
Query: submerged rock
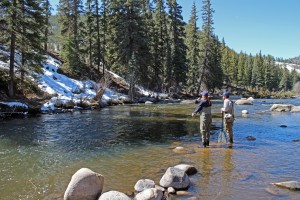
272 191
250 138
85 184
115 195
283 126
175 178
183 150
292 185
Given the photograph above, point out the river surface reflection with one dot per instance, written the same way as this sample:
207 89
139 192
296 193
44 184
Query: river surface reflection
39 155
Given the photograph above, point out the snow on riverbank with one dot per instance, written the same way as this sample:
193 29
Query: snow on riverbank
65 89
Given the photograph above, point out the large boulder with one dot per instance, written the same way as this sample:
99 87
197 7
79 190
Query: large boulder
85 184
144 184
188 169
243 102
292 185
113 195
175 178
149 194
281 107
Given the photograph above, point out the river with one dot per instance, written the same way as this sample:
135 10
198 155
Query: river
39 155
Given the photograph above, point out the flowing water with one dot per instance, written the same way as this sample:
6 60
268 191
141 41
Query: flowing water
39 155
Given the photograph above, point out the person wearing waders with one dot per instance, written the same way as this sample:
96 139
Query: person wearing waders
204 109
228 114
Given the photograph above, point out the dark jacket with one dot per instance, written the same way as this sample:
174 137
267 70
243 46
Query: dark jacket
204 107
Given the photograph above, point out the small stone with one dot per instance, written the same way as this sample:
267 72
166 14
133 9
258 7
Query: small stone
183 193
171 190
144 184
250 138
283 126
245 112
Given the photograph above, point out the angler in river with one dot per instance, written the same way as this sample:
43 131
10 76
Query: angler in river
204 109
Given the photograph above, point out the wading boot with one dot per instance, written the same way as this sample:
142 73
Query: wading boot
204 144
207 143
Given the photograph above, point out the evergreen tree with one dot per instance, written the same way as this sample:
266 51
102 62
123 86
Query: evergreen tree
47 13
160 42
192 42
93 25
269 63
285 82
241 68
70 12
215 62
259 64
128 36
248 70
22 23
294 77
208 50
178 67
225 61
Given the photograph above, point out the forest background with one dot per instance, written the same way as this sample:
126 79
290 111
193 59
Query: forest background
146 42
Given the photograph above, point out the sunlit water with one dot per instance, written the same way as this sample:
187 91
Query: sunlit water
39 155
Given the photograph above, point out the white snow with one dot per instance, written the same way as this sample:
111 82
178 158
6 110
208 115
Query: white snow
65 89
15 104
289 66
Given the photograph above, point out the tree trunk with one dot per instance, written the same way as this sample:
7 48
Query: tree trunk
11 92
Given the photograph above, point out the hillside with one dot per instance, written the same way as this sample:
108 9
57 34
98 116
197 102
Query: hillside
295 60
63 91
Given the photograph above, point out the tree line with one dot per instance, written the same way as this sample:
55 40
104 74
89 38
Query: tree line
145 41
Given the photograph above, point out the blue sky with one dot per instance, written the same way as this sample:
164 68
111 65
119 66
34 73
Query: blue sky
269 26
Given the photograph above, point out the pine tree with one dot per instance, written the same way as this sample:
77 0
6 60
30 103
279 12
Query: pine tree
241 68
128 36
225 60
70 12
210 52
285 82
160 41
93 35
259 65
269 63
248 70
23 23
178 67
192 42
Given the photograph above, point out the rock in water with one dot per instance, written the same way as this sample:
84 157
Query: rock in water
292 185
85 184
250 138
175 178
245 112
149 194
115 195
144 184
188 169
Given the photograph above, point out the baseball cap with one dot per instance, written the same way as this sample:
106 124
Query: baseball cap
204 93
226 94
